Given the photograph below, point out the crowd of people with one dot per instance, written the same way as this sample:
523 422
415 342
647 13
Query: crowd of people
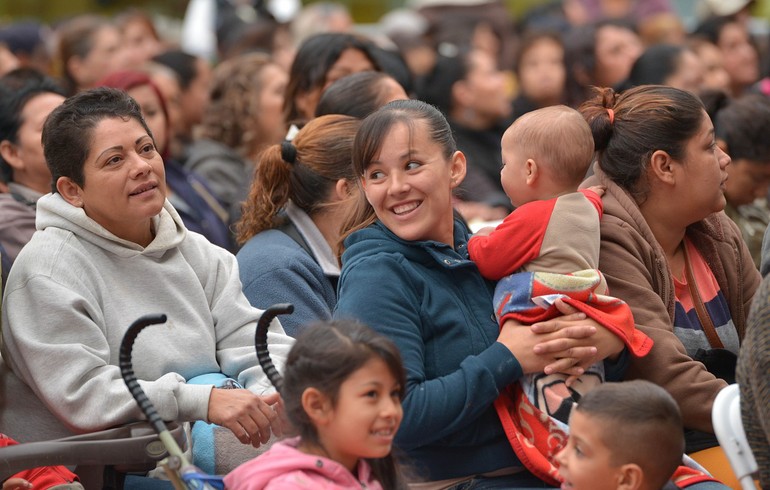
512 245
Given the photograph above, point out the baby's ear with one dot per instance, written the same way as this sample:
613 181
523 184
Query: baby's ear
317 406
630 477
532 171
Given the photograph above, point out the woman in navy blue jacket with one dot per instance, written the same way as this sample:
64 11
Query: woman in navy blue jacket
406 273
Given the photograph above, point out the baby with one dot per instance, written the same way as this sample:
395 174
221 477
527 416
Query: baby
548 249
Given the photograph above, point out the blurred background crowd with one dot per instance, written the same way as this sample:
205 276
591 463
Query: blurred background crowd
228 78
222 84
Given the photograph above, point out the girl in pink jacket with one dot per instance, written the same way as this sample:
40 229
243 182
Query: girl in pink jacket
342 391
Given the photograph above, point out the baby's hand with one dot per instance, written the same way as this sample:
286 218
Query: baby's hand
16 484
599 189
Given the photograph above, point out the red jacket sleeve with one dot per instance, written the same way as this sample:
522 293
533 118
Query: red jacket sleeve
595 199
516 241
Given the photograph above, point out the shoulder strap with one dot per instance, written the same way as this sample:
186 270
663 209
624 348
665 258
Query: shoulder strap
291 230
19 198
700 308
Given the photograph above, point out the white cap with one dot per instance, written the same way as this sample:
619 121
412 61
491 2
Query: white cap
724 7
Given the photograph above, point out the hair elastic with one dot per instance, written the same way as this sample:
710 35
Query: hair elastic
611 113
288 152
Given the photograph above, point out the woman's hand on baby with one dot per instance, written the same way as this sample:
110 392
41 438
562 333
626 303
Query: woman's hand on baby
250 417
575 349
16 484
553 349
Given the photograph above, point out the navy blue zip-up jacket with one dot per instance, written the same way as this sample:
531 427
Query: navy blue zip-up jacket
433 303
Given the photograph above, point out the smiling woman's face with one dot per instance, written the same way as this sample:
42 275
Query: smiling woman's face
124 181
409 184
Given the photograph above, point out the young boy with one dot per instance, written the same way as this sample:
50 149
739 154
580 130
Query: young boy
548 249
623 435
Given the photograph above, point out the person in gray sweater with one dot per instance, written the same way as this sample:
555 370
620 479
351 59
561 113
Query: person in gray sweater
108 249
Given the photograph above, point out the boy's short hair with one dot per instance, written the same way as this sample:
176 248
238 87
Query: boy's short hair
557 136
640 423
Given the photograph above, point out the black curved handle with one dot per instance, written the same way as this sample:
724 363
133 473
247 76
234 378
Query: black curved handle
260 342
127 369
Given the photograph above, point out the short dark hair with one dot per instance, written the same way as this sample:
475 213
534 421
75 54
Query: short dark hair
640 423
68 131
17 88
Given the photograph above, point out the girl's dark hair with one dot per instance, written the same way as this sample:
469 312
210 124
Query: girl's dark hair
356 95
313 60
646 118
324 356
368 143
17 88
236 37
322 157
68 131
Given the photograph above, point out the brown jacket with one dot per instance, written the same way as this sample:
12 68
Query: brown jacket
637 271
753 366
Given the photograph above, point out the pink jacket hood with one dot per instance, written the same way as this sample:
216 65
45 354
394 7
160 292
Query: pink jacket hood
283 466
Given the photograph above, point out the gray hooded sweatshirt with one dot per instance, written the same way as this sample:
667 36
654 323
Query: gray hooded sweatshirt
74 290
